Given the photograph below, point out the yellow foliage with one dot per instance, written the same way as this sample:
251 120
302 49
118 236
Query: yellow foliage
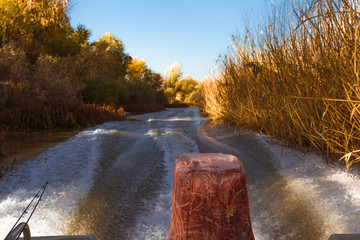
136 68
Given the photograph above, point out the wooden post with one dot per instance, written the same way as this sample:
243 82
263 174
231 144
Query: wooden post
209 198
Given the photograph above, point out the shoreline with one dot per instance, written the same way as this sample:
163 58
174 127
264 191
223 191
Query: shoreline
25 144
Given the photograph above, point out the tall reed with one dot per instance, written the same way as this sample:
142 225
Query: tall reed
296 78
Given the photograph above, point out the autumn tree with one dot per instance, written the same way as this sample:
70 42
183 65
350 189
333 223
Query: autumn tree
145 85
49 67
33 25
136 69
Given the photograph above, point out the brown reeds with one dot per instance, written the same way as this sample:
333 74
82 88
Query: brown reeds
5 169
296 78
74 116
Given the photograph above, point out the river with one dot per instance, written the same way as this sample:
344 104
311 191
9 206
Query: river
114 181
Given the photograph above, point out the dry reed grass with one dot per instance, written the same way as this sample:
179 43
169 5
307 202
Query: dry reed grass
296 78
5 169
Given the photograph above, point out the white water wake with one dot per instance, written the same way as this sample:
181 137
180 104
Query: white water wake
69 167
327 188
173 142
291 194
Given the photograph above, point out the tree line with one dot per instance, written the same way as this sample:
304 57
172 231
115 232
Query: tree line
52 75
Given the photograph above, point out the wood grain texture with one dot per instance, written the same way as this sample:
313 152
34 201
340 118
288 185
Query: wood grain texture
209 198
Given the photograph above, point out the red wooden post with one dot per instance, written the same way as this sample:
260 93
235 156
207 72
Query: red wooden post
209 198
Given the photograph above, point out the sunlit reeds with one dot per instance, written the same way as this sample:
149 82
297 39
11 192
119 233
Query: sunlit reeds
296 78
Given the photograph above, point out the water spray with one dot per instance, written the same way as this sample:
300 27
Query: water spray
23 227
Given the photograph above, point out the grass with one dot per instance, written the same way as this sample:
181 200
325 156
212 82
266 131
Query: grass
296 78
73 116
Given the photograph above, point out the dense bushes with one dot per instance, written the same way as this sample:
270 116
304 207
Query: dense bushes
40 95
296 78
50 75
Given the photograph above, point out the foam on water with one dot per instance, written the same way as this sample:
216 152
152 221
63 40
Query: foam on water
292 195
328 192
332 191
172 142
69 168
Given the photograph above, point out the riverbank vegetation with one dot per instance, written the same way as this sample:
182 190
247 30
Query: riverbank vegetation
180 88
52 76
296 78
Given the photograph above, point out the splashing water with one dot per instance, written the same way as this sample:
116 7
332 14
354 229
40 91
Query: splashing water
115 180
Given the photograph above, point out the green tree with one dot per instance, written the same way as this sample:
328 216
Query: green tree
106 70
172 75
113 51
155 79
185 87
68 42
178 88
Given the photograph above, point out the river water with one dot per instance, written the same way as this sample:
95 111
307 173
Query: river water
114 181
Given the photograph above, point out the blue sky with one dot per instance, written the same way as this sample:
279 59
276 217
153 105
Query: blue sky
191 32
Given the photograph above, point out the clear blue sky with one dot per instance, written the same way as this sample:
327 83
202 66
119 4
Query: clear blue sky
191 32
